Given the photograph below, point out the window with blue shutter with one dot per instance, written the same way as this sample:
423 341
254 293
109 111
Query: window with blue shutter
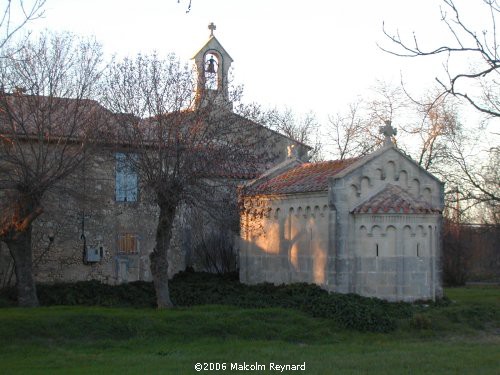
126 181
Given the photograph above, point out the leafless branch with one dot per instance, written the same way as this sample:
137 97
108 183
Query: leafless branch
9 26
468 43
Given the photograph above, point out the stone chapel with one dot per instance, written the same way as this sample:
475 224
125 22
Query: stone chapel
368 225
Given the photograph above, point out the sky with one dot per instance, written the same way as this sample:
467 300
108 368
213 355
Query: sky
309 55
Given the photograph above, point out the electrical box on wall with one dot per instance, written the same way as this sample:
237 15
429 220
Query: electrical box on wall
93 254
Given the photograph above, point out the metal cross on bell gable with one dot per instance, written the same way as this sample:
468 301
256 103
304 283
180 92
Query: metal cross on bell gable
212 27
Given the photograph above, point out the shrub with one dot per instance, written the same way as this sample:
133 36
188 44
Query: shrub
189 288
350 310
215 252
89 293
420 321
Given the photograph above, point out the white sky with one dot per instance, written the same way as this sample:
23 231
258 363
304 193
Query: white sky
316 55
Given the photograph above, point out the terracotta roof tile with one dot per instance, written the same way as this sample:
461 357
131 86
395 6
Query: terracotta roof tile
53 118
393 199
238 171
306 177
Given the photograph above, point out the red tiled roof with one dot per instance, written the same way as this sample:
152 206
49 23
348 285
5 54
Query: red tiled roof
306 177
393 199
50 118
243 170
54 118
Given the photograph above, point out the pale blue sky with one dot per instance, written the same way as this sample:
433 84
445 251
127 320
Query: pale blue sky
314 55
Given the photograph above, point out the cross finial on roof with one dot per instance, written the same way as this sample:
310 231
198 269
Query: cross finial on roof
388 131
212 27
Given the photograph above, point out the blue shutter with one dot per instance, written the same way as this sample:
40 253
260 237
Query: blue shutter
120 182
131 186
126 179
132 181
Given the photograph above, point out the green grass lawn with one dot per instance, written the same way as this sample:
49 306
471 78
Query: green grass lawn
463 337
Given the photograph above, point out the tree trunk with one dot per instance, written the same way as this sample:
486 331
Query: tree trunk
20 250
159 256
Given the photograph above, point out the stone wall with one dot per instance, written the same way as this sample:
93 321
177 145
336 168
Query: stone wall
285 239
396 256
83 215
389 166
85 207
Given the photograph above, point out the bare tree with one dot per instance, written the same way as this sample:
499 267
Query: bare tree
388 102
183 152
429 139
355 132
433 123
301 128
46 124
482 47
15 16
473 178
490 175
350 134
459 156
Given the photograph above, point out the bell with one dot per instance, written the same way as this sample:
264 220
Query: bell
211 66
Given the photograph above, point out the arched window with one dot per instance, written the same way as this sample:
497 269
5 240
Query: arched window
211 71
